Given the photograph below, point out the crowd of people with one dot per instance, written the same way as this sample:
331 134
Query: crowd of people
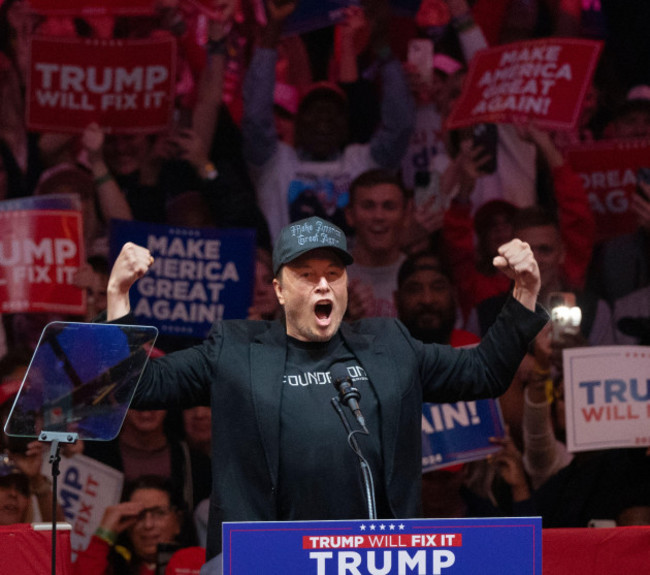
335 123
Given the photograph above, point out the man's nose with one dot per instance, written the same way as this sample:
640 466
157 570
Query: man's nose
323 284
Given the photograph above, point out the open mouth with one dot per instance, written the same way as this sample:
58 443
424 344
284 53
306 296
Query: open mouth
323 310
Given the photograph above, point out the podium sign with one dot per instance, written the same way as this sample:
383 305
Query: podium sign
388 546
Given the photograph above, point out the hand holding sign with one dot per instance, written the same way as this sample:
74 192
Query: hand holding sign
541 139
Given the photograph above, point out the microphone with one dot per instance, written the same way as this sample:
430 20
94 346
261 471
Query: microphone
348 394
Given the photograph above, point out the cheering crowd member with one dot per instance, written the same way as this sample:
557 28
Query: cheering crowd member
274 437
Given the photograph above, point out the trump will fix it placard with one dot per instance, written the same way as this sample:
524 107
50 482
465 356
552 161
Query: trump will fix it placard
607 395
123 85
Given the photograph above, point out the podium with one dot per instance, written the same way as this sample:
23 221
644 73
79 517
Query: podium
26 549
490 546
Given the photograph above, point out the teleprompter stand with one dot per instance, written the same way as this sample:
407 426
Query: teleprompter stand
55 439
79 386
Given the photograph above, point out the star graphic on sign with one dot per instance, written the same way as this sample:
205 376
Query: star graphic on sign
392 527
401 527
372 528
362 527
382 527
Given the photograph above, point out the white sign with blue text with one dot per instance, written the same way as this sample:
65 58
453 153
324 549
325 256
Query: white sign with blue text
199 275
607 395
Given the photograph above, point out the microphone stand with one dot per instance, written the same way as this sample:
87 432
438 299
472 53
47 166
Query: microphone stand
366 475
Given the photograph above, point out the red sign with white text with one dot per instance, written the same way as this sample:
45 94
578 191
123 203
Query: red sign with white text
608 170
92 7
542 80
39 255
125 86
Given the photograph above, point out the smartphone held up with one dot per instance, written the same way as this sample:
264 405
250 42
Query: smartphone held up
566 316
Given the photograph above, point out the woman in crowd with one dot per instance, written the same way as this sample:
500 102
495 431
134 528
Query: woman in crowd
128 538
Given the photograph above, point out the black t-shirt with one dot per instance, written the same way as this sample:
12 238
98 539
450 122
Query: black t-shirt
320 475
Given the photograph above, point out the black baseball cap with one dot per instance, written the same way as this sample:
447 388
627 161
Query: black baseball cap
309 234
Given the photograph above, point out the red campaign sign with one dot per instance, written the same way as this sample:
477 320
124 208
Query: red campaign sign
92 7
543 80
608 170
39 255
125 86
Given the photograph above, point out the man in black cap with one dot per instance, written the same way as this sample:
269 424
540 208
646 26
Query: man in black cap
279 452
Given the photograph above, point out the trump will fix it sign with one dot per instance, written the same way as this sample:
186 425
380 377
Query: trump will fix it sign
125 86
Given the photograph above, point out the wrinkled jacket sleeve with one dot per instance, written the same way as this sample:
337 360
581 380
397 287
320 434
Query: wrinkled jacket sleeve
487 370
181 378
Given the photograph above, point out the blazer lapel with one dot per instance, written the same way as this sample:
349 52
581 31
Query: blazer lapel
268 358
379 366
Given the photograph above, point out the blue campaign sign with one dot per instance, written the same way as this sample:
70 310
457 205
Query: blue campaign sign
503 546
199 275
459 432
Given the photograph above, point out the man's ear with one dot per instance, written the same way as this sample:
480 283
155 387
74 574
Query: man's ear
277 287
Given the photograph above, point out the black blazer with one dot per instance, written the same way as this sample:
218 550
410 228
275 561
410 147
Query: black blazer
238 370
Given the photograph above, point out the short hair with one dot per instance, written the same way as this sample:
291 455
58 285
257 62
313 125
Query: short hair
376 177
534 216
323 91
424 260
485 215
158 482
187 534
